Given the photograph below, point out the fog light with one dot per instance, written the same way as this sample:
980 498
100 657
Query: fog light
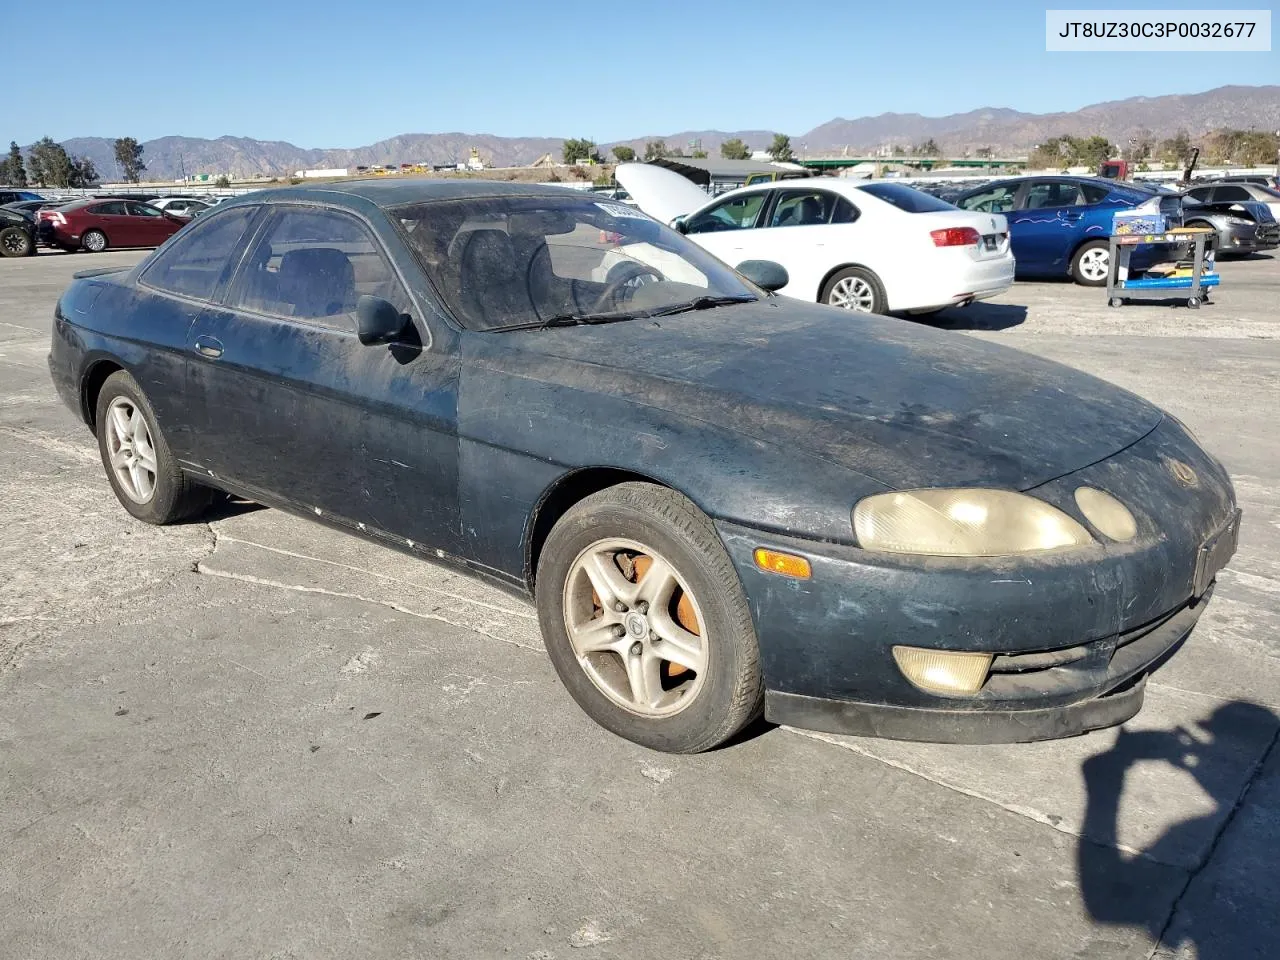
945 672
1108 514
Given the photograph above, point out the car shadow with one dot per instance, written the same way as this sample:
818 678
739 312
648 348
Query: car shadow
224 507
976 316
1119 888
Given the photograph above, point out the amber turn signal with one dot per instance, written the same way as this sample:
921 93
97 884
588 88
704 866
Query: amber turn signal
787 564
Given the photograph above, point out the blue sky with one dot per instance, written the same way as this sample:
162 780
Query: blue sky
324 73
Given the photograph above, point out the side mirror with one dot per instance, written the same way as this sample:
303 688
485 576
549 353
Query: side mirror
765 274
679 226
1237 208
377 320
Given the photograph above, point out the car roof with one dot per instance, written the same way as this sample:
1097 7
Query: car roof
392 193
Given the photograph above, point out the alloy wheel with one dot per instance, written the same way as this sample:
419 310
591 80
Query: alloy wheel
1094 264
635 627
852 293
132 454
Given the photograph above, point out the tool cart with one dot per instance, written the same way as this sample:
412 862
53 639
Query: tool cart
1188 279
1159 220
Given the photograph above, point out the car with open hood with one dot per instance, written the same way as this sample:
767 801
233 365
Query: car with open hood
720 501
870 247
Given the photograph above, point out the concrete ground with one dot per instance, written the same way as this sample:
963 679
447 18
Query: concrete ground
254 737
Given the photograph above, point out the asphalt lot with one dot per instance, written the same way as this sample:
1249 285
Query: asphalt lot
253 737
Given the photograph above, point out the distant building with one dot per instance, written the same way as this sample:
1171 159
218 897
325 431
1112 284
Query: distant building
331 172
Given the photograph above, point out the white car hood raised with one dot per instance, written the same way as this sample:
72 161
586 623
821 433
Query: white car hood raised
661 193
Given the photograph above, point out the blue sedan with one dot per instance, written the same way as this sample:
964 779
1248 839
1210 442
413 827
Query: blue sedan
1059 226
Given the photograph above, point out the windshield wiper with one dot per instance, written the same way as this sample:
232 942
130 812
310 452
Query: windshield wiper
570 320
699 303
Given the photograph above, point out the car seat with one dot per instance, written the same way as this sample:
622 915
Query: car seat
316 282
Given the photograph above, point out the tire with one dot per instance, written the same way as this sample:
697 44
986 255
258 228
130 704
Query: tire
855 288
716 688
16 242
1088 266
170 495
95 241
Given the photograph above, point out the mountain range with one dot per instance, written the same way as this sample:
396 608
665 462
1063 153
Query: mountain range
1005 131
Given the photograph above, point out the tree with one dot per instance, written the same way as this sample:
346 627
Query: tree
83 173
929 148
575 150
735 149
983 153
129 157
48 164
699 154
656 150
222 182
12 171
624 154
1091 152
1176 149
780 149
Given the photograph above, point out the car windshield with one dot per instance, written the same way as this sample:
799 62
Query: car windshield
519 261
907 198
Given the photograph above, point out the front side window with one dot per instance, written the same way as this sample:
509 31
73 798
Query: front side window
1200 193
997 199
314 264
516 260
735 213
193 264
142 210
115 208
1231 194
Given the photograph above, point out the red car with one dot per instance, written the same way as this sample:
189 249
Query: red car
95 225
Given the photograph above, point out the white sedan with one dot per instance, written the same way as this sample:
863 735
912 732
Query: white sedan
872 246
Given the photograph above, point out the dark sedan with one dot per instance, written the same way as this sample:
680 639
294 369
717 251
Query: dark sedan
721 501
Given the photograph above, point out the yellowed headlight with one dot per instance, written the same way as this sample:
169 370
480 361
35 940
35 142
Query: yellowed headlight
943 672
1109 515
964 523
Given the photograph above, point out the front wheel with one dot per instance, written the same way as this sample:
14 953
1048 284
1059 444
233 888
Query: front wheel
16 242
143 473
95 241
646 622
1091 263
855 288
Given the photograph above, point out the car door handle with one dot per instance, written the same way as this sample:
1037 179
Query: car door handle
209 347
1072 217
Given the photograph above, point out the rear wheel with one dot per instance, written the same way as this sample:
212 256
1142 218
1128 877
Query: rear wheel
855 288
95 241
143 473
646 622
16 242
1091 262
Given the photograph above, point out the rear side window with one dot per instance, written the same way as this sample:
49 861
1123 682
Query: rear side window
808 208
1094 193
1052 193
315 264
906 198
192 265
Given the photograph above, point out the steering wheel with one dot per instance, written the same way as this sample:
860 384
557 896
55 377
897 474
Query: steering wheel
624 276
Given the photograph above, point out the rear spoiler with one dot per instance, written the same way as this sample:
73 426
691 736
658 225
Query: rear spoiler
97 272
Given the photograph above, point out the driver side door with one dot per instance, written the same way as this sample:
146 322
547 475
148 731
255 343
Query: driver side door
727 228
289 403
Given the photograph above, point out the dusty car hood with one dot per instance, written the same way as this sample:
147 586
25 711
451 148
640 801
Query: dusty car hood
896 401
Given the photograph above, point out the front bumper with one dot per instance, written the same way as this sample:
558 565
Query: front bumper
1251 239
1074 635
1117 697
